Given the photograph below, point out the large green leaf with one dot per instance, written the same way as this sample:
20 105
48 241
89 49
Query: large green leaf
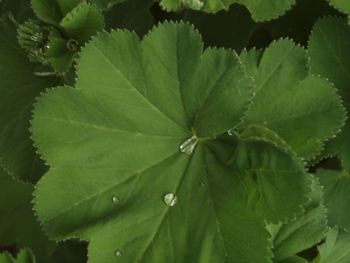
336 247
18 86
303 232
330 57
119 177
302 109
24 256
18 224
261 10
336 196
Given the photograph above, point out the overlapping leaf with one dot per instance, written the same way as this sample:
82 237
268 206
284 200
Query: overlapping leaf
336 247
303 232
261 10
330 57
19 85
302 109
118 177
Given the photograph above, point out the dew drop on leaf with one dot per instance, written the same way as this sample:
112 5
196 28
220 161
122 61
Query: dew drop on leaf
170 199
189 145
115 199
118 253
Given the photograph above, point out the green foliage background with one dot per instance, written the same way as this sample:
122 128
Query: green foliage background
174 131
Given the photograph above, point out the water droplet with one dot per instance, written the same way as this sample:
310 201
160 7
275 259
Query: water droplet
203 184
170 199
118 253
115 199
189 145
230 132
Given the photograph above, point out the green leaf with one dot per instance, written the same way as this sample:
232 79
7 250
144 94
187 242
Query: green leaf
261 10
18 224
264 133
53 11
269 173
302 232
18 91
59 56
304 110
84 21
336 196
330 57
132 191
24 256
336 247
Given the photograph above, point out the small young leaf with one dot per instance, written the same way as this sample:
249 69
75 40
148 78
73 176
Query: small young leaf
53 11
24 256
82 22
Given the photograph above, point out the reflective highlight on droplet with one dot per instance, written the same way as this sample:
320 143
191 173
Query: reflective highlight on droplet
170 199
115 199
189 145
118 253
